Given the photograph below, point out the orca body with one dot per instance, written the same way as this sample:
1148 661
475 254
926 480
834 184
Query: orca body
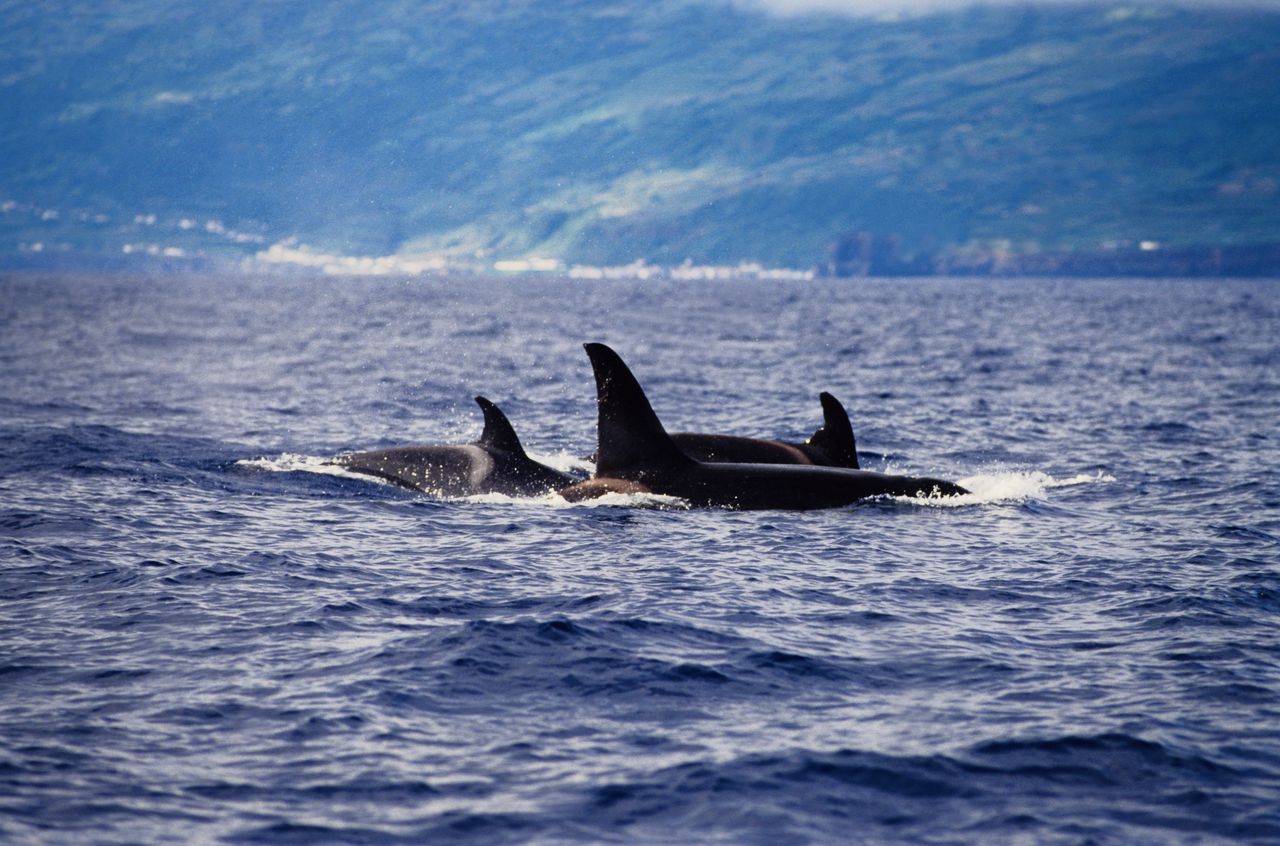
496 463
831 446
636 454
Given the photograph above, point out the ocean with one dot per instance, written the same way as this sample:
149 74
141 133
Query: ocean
207 635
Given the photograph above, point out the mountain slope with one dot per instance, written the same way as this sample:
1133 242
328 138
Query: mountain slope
603 132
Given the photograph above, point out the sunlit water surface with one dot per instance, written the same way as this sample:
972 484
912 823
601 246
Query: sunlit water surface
207 637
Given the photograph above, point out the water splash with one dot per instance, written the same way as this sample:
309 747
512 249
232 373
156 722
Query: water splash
292 462
1008 486
609 500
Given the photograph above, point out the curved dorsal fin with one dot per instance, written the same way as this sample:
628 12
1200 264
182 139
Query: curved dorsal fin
630 437
497 433
836 435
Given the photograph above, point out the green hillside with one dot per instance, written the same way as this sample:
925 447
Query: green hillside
605 131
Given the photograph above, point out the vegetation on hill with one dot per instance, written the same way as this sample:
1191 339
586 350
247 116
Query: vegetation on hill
601 132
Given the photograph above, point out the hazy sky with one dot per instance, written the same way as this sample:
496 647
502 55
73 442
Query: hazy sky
878 7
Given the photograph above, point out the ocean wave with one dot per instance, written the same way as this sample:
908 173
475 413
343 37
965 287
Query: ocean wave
1008 790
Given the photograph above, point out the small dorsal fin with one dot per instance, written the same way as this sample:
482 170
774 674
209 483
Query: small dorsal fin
497 433
630 437
836 435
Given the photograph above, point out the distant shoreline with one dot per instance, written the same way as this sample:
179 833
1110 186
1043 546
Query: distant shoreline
873 261
863 254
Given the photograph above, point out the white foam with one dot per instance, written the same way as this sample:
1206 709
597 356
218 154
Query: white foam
291 462
1081 479
551 499
609 500
628 500
1007 486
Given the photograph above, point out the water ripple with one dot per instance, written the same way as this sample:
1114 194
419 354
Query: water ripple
206 639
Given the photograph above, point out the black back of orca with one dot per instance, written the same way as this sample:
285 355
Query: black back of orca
634 452
831 446
495 463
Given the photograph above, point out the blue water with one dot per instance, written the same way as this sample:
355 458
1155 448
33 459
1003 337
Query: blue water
205 637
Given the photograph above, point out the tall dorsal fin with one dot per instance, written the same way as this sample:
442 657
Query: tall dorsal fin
630 437
497 433
836 435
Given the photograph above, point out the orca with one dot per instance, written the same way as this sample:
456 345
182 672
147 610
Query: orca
496 463
833 445
635 454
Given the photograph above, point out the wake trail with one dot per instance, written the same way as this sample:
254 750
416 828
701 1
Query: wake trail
1008 486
